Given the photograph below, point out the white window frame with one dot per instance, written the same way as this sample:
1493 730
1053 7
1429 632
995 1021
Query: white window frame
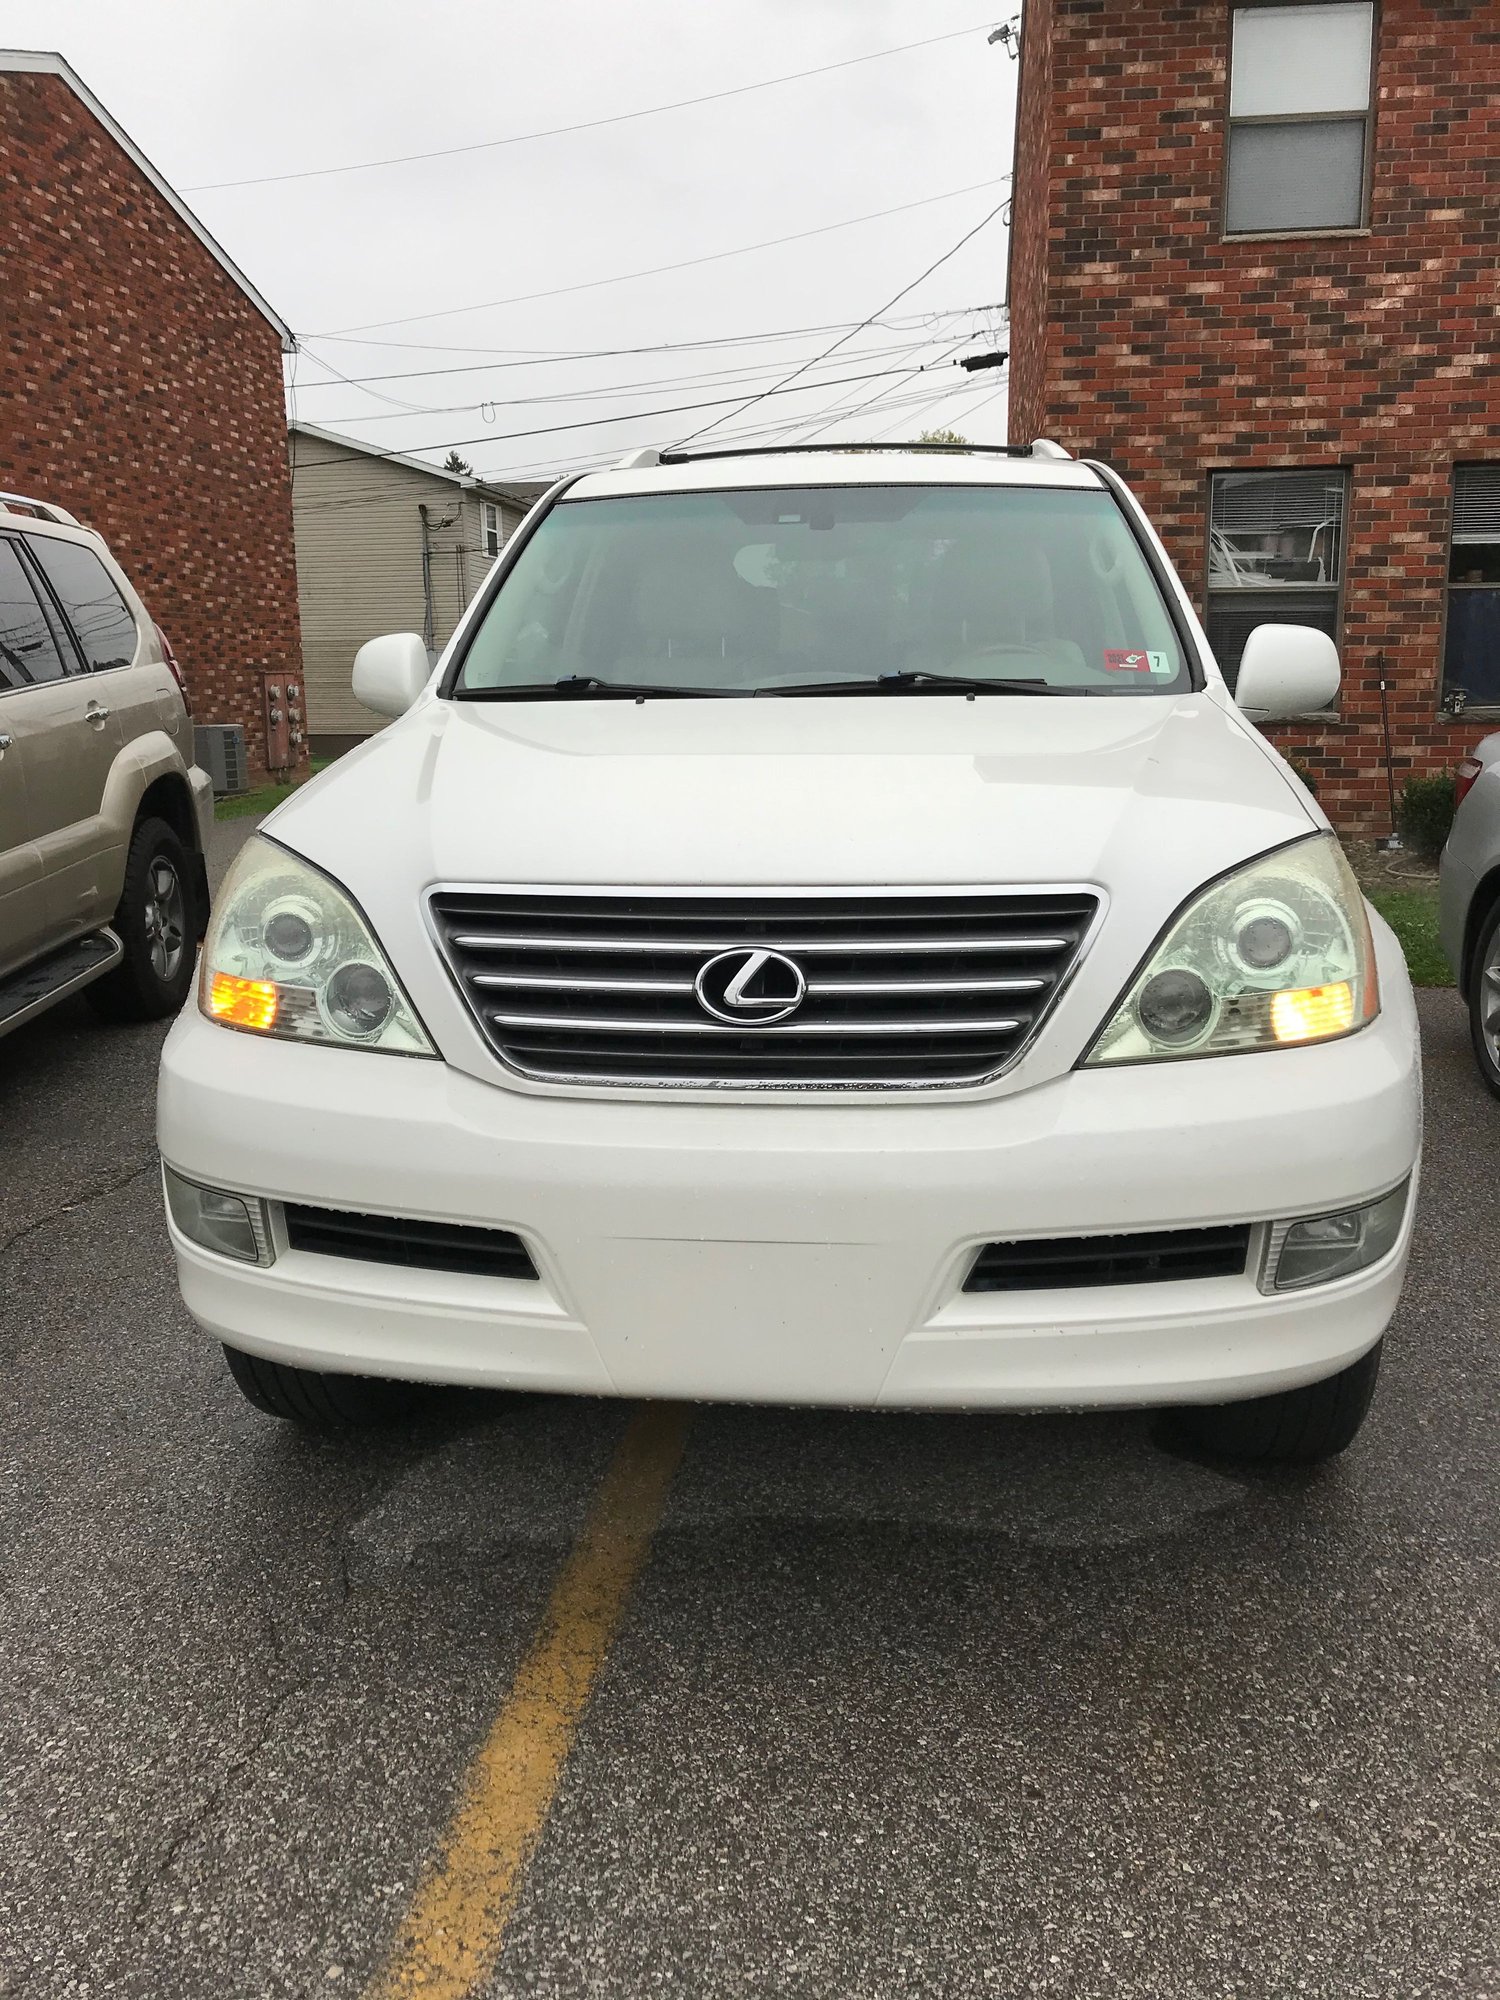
490 523
1365 119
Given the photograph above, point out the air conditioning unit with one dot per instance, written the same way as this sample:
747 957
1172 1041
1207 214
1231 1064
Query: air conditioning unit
219 749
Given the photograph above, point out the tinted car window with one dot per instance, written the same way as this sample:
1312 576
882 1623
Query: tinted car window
100 617
27 653
763 590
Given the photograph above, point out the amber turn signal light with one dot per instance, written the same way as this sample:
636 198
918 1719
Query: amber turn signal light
243 1003
1312 1013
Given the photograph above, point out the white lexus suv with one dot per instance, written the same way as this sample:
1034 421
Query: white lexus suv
823 934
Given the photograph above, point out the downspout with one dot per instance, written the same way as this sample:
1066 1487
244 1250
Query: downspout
429 616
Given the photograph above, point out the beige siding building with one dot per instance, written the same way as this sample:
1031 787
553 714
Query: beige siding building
385 543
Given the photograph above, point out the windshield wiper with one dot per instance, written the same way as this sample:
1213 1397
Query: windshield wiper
590 685
918 681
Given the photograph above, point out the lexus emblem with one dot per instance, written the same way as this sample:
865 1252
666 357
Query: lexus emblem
750 988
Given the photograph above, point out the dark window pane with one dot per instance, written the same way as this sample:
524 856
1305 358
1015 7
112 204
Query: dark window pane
1476 524
1473 656
99 616
1305 176
1274 529
1234 615
26 649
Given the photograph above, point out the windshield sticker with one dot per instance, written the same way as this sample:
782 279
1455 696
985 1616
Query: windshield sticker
1120 662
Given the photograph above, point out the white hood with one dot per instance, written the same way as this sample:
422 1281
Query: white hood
923 789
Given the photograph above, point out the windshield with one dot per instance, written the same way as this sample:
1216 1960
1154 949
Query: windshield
773 591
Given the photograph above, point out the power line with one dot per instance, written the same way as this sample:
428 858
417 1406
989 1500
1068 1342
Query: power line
363 461
543 357
965 387
772 431
591 423
686 263
834 347
605 391
844 415
552 468
587 124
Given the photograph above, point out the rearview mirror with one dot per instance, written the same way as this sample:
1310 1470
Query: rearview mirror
390 672
1286 670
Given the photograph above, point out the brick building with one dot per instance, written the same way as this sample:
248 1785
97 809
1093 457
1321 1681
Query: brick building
1254 266
141 387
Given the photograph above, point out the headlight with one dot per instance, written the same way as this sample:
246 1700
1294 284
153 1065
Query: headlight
1275 955
288 954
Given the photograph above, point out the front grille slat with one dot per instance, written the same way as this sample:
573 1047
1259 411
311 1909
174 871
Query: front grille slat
706 947
562 982
1067 1263
416 1245
925 988
791 1032
904 991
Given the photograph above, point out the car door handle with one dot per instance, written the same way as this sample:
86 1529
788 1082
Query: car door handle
96 713
5 742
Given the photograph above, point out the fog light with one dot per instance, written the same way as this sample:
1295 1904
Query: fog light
232 1225
1321 1248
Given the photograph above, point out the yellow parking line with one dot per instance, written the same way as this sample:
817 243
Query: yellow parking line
453 1933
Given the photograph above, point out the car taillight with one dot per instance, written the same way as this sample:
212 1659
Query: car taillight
1468 770
172 667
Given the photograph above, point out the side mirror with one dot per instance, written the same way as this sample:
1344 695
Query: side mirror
389 673
1286 670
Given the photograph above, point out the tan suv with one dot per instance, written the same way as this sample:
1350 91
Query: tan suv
103 815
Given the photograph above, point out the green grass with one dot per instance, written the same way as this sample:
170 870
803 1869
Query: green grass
240 805
1413 915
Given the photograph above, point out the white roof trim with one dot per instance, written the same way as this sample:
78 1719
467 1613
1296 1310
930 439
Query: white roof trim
44 62
465 479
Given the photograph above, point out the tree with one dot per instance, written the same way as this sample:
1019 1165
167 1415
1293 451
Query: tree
453 463
942 437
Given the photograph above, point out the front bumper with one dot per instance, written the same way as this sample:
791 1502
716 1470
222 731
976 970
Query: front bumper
800 1253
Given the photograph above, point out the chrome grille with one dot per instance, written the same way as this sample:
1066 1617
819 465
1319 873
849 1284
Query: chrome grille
902 991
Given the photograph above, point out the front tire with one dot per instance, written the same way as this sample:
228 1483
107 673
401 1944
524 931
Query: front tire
1298 1427
327 1405
1484 1002
156 924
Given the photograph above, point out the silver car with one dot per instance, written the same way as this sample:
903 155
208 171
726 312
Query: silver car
1469 881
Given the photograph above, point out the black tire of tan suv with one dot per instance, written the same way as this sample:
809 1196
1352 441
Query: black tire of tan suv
328 1405
1298 1427
156 921
1483 1002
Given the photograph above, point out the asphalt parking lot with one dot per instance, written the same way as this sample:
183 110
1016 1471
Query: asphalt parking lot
896 1706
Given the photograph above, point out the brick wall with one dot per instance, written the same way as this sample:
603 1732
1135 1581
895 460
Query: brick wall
1155 344
141 389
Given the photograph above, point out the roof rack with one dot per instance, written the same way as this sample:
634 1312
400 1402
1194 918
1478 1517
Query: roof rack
40 510
634 460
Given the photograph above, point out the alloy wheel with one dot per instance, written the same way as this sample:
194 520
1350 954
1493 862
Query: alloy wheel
166 919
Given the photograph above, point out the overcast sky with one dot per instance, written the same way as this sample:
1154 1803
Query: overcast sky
239 89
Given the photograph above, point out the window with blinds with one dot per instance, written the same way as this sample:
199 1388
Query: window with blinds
1472 657
1275 555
